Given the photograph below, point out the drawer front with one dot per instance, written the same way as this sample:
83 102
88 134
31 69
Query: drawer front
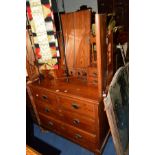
44 95
78 121
84 108
79 136
72 133
51 110
92 80
92 71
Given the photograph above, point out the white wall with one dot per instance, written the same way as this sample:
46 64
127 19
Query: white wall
73 5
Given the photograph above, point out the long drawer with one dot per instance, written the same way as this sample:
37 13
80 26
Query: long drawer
77 106
72 133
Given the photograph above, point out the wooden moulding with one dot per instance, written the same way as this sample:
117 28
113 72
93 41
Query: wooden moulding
100 20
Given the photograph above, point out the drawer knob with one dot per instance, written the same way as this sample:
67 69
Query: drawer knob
78 136
75 105
44 97
37 95
76 121
47 110
50 123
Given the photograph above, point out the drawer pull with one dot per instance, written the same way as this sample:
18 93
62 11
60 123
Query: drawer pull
37 95
44 97
75 105
76 121
47 110
78 136
50 123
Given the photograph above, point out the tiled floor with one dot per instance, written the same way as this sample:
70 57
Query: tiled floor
66 146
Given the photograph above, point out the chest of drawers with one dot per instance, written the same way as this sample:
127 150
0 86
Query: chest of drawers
71 114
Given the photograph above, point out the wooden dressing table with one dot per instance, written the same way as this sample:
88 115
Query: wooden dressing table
75 109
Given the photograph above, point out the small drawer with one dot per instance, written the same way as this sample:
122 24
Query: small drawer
44 95
78 106
92 71
51 110
92 80
80 122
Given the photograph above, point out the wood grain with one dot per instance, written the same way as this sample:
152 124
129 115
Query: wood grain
31 151
101 52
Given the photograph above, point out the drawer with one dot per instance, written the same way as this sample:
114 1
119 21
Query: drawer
80 122
51 110
92 80
92 71
44 95
79 136
77 106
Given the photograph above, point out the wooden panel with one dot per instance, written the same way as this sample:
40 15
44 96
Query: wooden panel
101 52
92 80
110 64
78 106
30 59
79 121
68 32
76 30
82 25
92 71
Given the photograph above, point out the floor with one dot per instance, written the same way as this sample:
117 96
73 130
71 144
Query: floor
67 147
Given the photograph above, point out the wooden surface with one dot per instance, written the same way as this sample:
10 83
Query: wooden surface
76 30
68 32
75 109
30 60
74 88
82 24
101 52
31 151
